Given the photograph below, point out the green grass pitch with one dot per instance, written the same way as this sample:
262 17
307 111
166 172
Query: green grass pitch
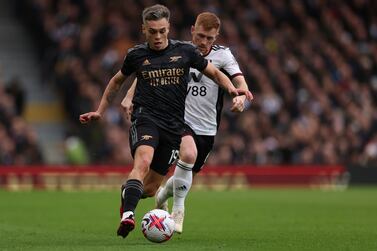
257 219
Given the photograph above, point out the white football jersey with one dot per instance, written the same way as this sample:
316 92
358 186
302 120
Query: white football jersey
204 99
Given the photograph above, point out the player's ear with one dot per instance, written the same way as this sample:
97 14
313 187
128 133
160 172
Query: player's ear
143 29
192 29
217 34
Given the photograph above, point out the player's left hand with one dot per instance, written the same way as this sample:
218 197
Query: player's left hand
238 104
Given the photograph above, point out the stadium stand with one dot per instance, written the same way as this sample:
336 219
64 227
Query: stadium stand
19 144
312 66
18 141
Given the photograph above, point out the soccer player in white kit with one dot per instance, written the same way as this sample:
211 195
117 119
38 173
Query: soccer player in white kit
203 107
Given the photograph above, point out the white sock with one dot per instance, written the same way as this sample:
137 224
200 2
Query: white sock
182 184
127 214
167 191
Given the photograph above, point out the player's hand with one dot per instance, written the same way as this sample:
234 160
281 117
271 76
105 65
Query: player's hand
238 92
238 104
127 106
89 116
247 93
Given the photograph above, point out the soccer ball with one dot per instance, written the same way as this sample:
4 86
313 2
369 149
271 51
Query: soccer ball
157 226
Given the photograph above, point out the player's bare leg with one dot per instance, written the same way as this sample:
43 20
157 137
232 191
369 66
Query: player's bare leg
152 183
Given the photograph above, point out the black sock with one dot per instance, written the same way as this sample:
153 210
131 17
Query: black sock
133 189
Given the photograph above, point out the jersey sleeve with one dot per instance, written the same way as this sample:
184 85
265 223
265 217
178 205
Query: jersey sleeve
230 65
197 61
128 66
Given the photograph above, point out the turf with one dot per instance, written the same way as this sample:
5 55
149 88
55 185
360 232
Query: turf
228 220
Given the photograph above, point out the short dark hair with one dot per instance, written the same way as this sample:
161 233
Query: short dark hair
155 12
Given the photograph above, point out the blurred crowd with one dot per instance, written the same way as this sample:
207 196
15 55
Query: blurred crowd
18 140
311 65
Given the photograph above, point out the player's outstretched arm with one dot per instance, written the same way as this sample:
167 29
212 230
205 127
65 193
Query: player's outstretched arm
108 96
127 104
239 101
222 80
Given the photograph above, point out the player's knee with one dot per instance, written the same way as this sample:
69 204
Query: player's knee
188 156
143 164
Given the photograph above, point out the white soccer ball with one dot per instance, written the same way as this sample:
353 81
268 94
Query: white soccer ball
157 225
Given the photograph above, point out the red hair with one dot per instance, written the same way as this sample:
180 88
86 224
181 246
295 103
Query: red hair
208 20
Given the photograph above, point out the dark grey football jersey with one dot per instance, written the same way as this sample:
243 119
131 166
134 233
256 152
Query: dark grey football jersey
162 79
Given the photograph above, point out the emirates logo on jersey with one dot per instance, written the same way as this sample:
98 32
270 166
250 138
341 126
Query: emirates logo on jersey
168 76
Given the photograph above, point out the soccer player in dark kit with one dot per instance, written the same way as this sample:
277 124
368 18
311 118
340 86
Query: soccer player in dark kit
202 115
162 69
